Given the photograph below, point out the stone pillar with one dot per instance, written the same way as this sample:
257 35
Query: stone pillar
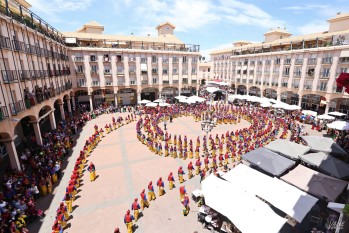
69 106
91 103
51 116
37 132
61 109
300 101
327 107
12 152
73 102
116 100
278 97
138 96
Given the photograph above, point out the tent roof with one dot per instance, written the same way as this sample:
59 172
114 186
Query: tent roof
327 164
285 197
287 148
315 183
323 144
218 195
268 161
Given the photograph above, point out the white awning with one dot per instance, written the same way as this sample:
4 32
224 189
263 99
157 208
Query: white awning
344 53
144 67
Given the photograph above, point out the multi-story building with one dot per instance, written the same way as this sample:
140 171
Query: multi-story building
37 87
122 70
294 69
35 84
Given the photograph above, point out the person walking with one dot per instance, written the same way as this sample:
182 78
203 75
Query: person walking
161 185
180 174
190 170
144 200
128 221
151 193
92 169
135 207
170 180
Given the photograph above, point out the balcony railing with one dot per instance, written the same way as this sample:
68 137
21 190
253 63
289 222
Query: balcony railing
308 87
81 84
121 83
185 81
287 61
324 74
285 74
9 76
297 74
16 107
299 61
327 60
18 46
95 84
24 75
3 112
79 71
5 42
120 72
79 59
108 83
194 81
321 88
296 86
144 82
107 73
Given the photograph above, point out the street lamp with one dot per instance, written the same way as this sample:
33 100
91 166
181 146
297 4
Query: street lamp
207 125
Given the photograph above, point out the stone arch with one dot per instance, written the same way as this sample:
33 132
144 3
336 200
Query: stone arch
339 105
25 131
127 96
242 90
270 93
150 93
254 91
315 102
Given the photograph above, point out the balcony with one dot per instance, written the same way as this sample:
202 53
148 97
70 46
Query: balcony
299 61
18 46
121 83
322 88
144 82
107 73
185 81
16 107
79 72
132 72
297 74
174 61
327 60
284 84
324 74
154 72
165 82
24 75
9 76
312 61
175 81
194 81
108 83
285 74
81 84
95 84
296 86
154 61
287 61
3 112
165 61
5 42
78 59
120 72
308 87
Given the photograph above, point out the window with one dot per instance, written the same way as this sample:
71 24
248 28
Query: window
120 69
107 70
277 61
175 60
143 60
155 80
193 70
154 59
184 71
80 69
175 71
106 57
325 72
185 60
118 58
93 58
165 71
154 70
322 86
81 82
94 69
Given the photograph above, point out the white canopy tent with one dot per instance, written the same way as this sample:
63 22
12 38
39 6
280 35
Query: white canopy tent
287 148
212 89
283 196
144 101
196 98
164 104
151 105
308 112
242 209
180 97
157 101
266 105
339 125
325 117
339 114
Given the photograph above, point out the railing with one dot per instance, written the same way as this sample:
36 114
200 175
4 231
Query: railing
5 42
287 61
299 61
165 61
107 73
175 81
321 88
144 82
108 83
95 84
79 59
3 112
296 86
81 84
194 81
297 74
24 75
165 82
285 74
132 72
324 74
79 71
16 107
9 76
327 60
308 87
18 45
185 81
120 72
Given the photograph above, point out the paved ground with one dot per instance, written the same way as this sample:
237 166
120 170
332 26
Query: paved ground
125 167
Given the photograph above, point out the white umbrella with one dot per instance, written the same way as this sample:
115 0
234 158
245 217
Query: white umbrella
157 101
144 101
151 105
279 105
292 107
308 112
266 105
212 89
336 114
180 97
339 125
164 104
325 117
197 98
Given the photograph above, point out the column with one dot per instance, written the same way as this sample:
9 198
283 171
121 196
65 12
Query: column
69 105
278 97
116 100
138 96
91 103
37 132
12 152
61 109
300 101
327 107
73 102
51 116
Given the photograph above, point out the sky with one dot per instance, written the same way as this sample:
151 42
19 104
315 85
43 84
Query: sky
212 24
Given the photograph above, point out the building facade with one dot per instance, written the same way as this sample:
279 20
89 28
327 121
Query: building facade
46 74
294 69
122 70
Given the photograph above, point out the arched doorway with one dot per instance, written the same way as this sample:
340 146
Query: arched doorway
25 133
82 100
127 96
203 82
44 119
339 105
98 97
149 93
286 96
57 107
270 93
242 90
188 91
254 91
314 102
169 92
